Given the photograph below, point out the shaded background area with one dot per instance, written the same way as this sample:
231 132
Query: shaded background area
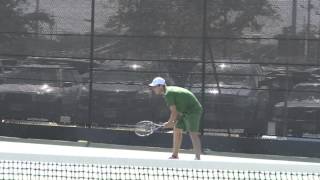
85 64
281 147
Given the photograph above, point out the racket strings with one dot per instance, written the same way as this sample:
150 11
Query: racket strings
145 128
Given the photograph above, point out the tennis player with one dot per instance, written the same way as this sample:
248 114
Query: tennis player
185 114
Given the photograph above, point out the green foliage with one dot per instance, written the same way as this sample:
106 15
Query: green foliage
11 16
173 29
182 18
148 19
231 17
15 20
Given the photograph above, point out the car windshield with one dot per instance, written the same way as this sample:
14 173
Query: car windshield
305 93
234 74
33 76
120 76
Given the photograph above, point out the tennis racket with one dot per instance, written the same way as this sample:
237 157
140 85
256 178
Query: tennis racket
146 128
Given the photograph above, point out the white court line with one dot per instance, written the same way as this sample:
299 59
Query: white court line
61 153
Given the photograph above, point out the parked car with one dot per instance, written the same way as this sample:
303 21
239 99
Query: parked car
81 65
7 65
41 93
280 79
300 113
314 73
232 98
120 95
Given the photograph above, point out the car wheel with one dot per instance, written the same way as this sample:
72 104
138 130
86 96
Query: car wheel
252 132
78 119
57 112
281 129
80 115
296 130
297 133
258 123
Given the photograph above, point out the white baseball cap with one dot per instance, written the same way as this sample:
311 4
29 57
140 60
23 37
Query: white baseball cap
157 81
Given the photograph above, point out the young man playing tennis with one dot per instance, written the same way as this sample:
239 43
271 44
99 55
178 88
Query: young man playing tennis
185 115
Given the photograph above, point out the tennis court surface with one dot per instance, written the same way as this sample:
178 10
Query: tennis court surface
25 159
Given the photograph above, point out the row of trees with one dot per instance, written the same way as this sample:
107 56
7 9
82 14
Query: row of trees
166 29
180 24
16 23
227 18
183 19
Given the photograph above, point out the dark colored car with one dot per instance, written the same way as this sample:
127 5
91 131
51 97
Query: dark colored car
280 79
300 113
314 73
41 93
7 64
81 65
232 98
121 96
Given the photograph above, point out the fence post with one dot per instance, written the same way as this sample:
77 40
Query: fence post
203 54
91 64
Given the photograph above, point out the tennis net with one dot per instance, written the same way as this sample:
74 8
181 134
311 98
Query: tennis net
86 163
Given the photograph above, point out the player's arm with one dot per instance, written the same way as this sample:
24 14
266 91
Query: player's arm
173 117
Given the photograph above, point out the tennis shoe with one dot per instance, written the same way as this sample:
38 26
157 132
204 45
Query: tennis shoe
173 157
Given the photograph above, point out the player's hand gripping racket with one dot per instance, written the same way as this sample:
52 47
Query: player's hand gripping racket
146 128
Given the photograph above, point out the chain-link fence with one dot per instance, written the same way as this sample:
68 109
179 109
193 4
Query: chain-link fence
254 65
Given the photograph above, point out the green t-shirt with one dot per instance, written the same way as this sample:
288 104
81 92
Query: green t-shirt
184 100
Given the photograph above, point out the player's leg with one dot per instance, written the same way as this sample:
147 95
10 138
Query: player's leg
192 123
178 136
196 143
177 140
